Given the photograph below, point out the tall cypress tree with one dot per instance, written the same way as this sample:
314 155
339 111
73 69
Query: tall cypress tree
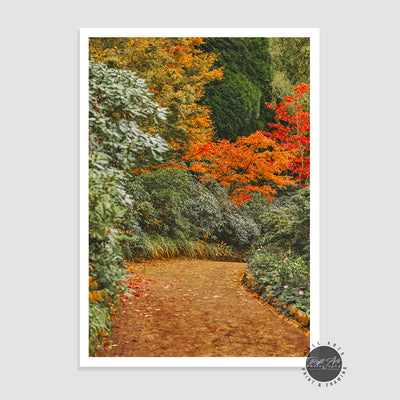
238 100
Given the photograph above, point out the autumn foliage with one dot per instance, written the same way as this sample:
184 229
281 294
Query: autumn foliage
250 164
292 132
260 162
176 71
154 148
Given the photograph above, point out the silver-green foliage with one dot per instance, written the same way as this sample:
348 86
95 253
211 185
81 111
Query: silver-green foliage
286 224
121 113
172 203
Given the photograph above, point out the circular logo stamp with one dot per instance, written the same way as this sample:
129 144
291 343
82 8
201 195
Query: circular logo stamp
324 365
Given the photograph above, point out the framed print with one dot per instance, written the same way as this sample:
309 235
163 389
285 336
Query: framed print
199 197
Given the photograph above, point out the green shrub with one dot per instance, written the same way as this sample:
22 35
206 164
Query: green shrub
105 257
171 204
301 222
286 224
286 278
280 262
120 112
215 216
203 209
256 208
161 197
238 229
100 327
274 270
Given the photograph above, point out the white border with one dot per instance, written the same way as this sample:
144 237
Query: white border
314 187
85 360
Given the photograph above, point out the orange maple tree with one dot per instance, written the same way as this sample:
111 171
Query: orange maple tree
250 164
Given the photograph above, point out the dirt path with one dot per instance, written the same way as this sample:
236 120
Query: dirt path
199 309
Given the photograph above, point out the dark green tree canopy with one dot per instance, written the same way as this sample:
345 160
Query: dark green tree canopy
238 100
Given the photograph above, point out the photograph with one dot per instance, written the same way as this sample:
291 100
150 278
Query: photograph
197 188
198 200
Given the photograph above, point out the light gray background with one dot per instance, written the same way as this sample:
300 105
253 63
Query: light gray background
39 198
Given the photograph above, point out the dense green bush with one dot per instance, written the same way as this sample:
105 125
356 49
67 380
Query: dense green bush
100 326
171 204
204 209
301 222
163 197
272 269
238 229
281 259
256 208
104 253
219 218
286 278
120 111
286 225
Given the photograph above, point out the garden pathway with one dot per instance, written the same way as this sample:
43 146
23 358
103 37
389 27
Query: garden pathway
185 308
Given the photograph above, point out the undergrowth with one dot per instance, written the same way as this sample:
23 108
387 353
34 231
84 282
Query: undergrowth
286 278
157 247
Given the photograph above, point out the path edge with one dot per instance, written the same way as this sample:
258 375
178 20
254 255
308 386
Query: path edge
296 315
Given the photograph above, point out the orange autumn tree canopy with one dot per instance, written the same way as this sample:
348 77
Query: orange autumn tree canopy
250 164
